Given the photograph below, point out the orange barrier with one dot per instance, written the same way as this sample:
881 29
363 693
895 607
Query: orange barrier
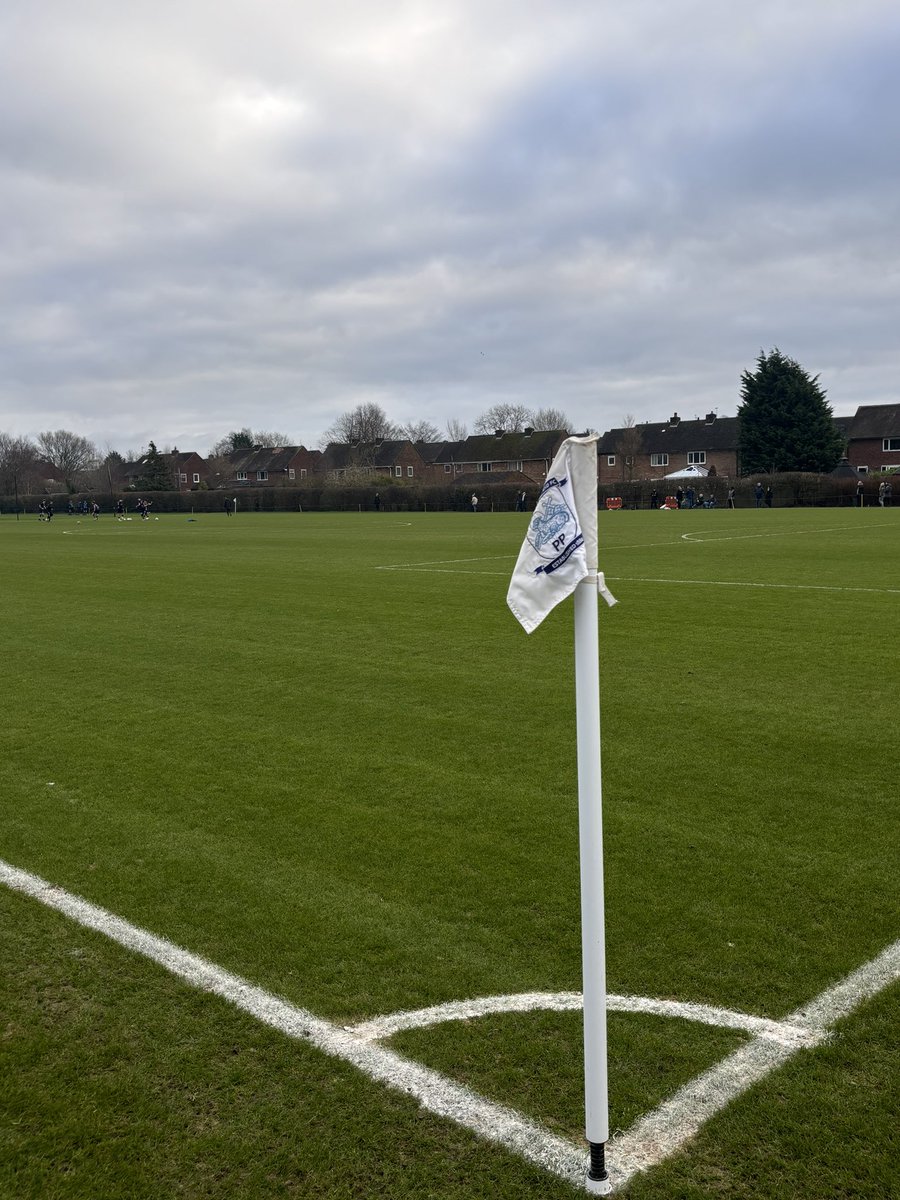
613 502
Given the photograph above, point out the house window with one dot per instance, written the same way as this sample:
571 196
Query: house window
890 444
291 473
696 458
303 472
262 476
242 475
659 460
447 468
610 460
516 466
409 472
398 471
863 470
485 466
196 477
182 477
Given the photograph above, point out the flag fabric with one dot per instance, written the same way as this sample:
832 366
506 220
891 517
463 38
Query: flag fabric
560 547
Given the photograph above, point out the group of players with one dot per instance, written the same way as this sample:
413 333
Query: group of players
45 509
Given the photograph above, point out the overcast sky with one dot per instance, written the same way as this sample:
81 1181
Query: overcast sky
219 213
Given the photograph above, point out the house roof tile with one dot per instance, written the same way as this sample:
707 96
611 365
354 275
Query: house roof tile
875 421
677 437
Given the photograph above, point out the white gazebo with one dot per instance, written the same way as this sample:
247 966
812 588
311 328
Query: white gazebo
689 473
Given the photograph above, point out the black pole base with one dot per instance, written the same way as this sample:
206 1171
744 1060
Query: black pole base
597 1170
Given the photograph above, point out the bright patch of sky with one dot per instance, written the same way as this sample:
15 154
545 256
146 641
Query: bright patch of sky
265 213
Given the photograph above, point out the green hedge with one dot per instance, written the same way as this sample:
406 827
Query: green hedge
789 491
314 497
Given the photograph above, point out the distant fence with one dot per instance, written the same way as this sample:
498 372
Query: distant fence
323 497
789 490
794 489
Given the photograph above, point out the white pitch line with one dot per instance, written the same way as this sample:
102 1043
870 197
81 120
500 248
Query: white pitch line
784 1032
442 562
697 535
651 1139
662 1133
742 583
433 1091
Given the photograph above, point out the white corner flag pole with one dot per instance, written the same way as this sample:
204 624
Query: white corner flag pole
590 836
559 556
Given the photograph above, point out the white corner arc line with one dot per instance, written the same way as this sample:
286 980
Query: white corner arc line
651 1139
785 1032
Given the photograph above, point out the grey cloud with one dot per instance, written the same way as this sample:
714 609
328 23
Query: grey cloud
210 223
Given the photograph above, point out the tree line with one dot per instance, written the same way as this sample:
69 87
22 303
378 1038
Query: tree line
786 424
83 466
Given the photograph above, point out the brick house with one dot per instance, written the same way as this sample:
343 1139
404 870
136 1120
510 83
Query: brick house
873 438
270 466
497 457
653 450
387 459
188 470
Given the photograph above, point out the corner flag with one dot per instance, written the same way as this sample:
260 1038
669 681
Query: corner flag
559 554
560 547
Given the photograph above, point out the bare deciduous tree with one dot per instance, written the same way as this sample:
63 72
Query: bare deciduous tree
628 446
271 437
18 464
511 418
246 439
550 418
420 431
456 430
70 453
365 423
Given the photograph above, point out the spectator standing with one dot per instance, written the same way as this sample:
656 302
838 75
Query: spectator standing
758 493
859 494
654 499
474 503
731 497
768 497
888 493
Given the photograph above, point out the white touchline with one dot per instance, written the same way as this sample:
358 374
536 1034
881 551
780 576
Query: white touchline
652 1138
744 583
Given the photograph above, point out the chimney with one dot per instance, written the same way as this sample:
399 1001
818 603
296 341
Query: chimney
674 419
710 417
498 433
528 431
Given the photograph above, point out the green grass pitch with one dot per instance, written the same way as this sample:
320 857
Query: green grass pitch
319 751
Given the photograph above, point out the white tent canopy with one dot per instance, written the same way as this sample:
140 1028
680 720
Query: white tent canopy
689 473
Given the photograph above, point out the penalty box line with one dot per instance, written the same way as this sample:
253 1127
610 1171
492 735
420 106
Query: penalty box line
652 1138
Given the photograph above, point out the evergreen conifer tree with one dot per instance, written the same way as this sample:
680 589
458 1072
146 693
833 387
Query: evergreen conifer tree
157 474
786 422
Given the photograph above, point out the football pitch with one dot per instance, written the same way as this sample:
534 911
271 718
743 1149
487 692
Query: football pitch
300 786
